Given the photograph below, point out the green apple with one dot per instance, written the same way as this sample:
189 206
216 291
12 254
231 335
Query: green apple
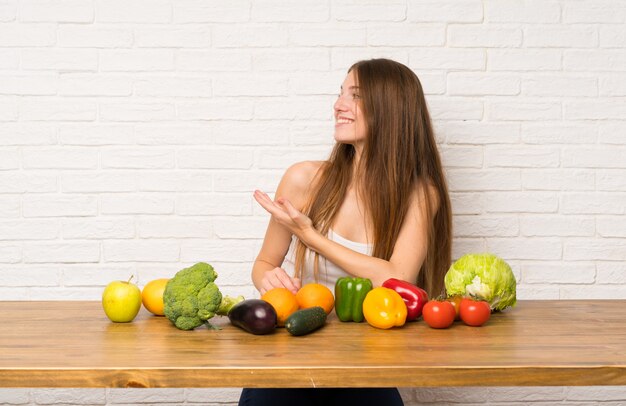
121 301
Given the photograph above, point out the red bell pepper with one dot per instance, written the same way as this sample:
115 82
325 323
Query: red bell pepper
414 297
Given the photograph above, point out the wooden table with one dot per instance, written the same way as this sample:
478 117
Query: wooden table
538 343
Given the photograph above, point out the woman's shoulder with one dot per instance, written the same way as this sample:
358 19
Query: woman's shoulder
298 180
301 175
424 191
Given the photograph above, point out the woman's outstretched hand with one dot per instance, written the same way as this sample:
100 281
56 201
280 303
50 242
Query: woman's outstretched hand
278 278
285 214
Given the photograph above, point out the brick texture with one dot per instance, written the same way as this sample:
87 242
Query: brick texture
133 132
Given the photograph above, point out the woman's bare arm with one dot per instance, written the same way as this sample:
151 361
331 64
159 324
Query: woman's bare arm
408 255
266 271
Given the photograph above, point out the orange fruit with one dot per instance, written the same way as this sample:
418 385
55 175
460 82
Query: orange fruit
152 296
283 301
315 294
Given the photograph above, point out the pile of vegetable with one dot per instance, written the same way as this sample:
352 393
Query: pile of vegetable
259 317
476 285
390 305
484 277
441 313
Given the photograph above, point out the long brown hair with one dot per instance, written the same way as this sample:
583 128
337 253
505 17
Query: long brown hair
399 157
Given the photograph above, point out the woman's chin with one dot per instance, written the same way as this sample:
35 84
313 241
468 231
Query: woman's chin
343 138
347 134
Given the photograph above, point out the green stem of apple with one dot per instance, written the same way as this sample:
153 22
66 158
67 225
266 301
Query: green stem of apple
130 279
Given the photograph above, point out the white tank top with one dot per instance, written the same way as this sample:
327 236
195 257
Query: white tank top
328 271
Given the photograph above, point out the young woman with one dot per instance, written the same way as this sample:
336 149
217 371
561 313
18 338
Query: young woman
378 208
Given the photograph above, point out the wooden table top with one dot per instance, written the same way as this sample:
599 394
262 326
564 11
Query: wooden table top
537 343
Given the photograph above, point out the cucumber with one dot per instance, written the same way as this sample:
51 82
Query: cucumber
305 321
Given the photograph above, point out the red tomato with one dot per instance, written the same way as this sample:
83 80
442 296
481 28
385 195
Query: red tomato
475 312
438 314
456 302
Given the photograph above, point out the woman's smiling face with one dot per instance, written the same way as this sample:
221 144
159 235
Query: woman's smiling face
350 126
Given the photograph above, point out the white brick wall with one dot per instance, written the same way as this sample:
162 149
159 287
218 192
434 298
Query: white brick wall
132 134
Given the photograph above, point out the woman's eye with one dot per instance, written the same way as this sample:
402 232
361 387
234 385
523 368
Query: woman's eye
355 96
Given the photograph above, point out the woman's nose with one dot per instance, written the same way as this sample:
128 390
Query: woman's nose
340 104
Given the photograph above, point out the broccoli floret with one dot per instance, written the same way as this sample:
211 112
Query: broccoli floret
191 297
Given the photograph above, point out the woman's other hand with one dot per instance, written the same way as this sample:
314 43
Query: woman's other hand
285 214
278 278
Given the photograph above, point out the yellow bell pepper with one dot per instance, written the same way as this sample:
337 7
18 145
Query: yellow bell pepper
384 308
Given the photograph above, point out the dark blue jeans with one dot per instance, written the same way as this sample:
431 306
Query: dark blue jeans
322 396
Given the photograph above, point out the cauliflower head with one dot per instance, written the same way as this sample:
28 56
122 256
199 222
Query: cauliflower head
191 297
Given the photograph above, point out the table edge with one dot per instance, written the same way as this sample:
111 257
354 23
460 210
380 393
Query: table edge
312 377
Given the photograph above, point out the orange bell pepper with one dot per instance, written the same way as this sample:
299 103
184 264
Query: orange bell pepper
384 308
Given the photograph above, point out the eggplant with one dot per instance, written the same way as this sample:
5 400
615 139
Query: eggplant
256 316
